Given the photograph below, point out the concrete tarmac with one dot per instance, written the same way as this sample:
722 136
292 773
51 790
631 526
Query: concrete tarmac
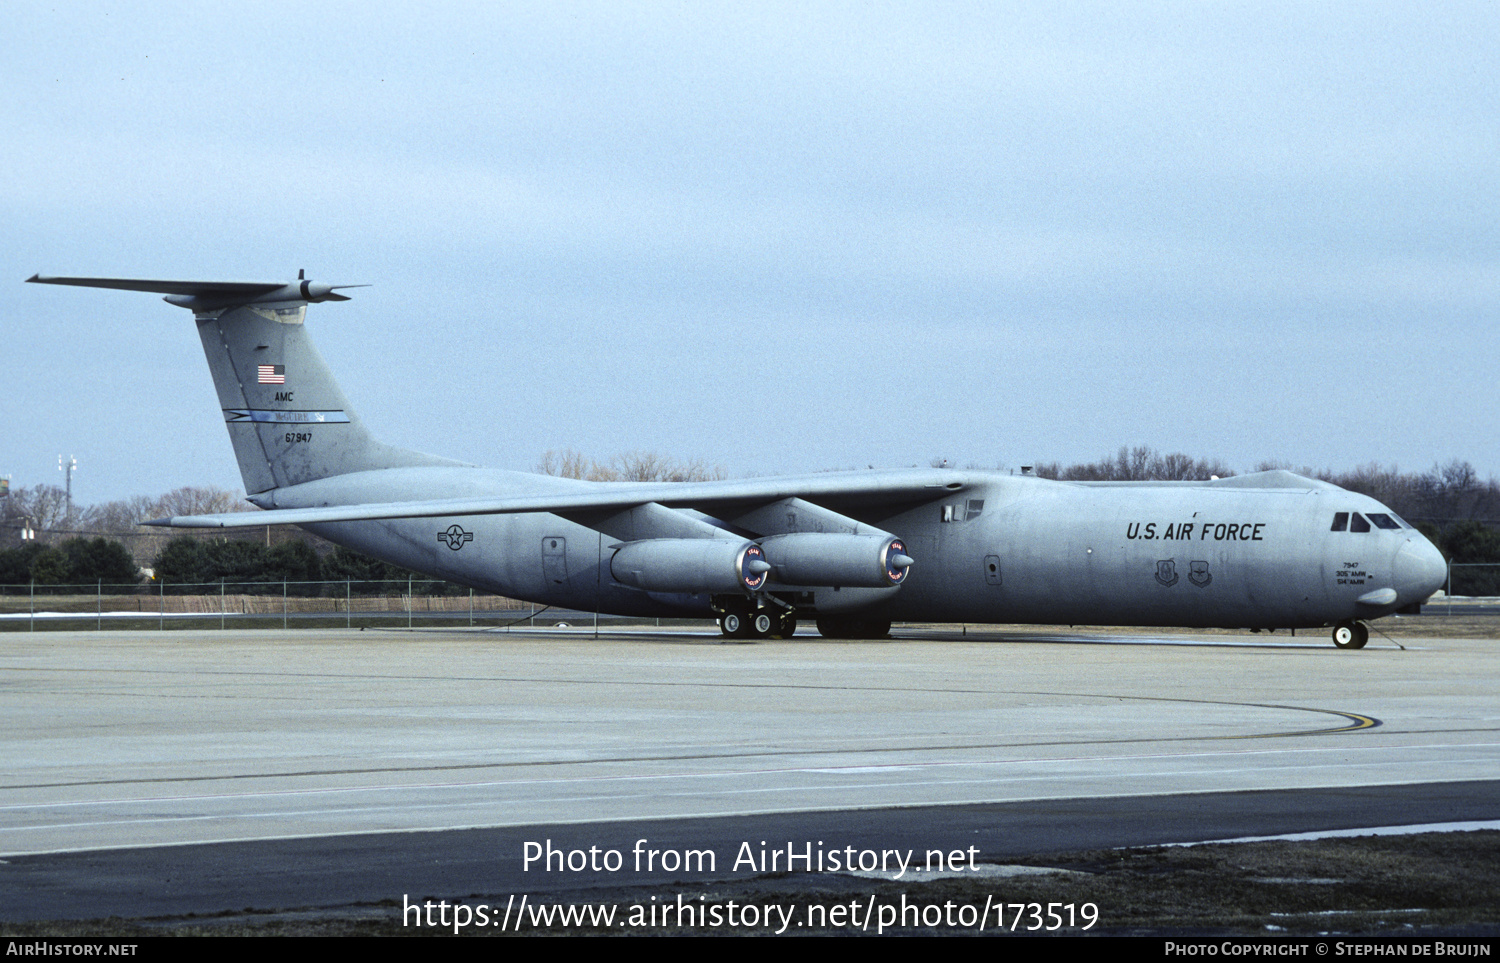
147 739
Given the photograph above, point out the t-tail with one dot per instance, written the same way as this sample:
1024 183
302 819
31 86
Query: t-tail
288 419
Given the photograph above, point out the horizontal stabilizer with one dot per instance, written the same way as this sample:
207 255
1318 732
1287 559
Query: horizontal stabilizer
209 294
194 288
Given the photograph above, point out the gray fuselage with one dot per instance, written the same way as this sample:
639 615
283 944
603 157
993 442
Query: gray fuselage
1267 550
1003 549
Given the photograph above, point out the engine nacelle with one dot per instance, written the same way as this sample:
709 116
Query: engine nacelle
856 561
691 565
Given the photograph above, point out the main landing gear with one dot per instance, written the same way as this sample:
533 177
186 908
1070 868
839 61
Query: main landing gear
740 620
748 618
1351 635
853 627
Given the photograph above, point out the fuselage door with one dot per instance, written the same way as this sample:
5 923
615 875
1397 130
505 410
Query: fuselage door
555 560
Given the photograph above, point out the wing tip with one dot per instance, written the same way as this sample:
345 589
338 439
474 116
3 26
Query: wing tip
184 521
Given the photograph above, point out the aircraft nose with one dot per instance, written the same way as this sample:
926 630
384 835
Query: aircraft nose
1419 570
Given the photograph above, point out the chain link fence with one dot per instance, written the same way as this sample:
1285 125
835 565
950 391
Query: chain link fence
1472 587
409 603
1474 579
260 604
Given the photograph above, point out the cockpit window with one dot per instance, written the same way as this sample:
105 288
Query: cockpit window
1384 521
1340 521
1358 523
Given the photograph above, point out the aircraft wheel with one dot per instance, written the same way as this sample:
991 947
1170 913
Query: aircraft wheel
734 625
1351 635
761 625
833 628
851 627
786 627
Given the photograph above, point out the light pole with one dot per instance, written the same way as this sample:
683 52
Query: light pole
67 468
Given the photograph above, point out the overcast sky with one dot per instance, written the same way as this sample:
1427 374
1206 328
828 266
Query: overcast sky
780 238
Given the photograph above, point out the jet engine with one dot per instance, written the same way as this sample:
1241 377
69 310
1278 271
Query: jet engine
691 565
855 561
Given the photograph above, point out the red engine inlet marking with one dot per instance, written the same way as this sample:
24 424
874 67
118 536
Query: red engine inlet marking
892 572
752 580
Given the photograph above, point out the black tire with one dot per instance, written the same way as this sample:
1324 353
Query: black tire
1351 635
852 627
734 625
786 627
762 624
833 628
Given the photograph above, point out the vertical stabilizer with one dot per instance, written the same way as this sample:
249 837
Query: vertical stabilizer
288 420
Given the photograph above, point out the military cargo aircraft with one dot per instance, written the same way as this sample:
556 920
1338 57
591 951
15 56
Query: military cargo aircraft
853 551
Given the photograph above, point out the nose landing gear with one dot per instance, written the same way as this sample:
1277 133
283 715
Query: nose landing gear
1351 635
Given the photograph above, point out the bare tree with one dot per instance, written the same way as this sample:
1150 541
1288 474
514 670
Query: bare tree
45 505
696 470
1281 464
119 517
642 466
569 463
1141 463
201 500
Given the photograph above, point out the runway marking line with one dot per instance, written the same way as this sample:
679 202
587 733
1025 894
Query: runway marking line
728 774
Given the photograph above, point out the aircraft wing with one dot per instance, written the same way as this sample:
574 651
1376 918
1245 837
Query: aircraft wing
837 491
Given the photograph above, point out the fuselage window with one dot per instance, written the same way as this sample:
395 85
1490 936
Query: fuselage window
1384 521
1340 521
1358 523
